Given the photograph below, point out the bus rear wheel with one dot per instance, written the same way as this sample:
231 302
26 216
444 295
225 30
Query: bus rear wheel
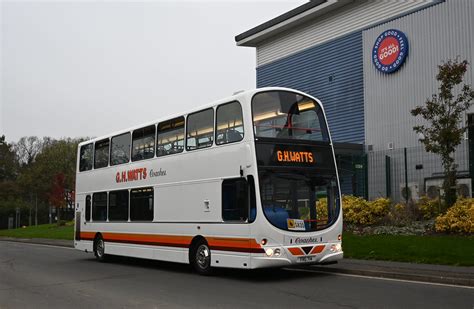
200 258
99 248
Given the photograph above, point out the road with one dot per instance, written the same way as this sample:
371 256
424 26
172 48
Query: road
36 276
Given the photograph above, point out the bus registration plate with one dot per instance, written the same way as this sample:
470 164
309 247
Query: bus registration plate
305 259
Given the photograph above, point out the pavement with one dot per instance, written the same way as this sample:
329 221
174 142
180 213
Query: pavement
441 274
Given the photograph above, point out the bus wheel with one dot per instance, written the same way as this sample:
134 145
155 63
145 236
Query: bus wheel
99 248
201 258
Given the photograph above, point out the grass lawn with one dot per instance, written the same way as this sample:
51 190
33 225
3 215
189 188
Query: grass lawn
442 249
51 231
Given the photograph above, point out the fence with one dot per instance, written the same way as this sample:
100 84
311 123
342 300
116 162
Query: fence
411 172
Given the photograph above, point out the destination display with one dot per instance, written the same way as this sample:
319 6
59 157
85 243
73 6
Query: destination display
293 155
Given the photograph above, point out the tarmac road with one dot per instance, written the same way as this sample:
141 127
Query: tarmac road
37 276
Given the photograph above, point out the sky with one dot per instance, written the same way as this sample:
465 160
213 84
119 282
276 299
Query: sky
89 68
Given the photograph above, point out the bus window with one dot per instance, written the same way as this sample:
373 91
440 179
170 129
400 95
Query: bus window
120 149
141 204
287 115
170 137
143 144
235 200
101 153
118 205
88 208
85 160
99 206
200 129
229 123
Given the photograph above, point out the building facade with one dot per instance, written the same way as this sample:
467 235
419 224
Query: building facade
327 48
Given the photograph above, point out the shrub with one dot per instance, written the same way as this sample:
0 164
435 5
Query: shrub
429 208
322 209
458 219
359 211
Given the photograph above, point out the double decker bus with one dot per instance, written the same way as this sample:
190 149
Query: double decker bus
249 181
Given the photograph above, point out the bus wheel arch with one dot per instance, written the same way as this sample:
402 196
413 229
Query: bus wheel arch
200 255
99 248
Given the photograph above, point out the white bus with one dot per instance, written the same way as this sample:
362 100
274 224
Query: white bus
249 181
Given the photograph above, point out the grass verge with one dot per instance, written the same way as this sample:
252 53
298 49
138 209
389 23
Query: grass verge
442 249
51 231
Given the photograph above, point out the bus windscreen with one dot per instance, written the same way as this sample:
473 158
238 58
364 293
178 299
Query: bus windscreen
288 115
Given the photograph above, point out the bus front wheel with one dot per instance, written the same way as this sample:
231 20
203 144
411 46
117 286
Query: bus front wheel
201 258
99 248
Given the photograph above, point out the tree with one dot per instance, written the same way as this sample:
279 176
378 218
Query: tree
28 147
8 161
443 113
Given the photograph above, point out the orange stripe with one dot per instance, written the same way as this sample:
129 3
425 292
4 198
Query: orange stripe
296 251
317 249
216 243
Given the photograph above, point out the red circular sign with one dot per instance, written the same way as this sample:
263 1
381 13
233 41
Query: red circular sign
388 50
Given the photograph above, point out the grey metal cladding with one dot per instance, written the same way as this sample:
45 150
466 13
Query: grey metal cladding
332 72
435 34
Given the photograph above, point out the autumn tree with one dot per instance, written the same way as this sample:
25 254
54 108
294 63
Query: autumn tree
443 114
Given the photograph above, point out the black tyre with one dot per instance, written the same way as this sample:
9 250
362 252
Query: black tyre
99 248
200 258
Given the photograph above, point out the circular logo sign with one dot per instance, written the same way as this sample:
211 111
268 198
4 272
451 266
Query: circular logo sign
390 51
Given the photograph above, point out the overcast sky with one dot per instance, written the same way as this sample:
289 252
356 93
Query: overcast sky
83 68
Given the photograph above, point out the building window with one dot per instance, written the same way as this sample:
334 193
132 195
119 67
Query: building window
99 206
101 153
88 208
85 160
141 204
200 130
235 199
143 143
120 149
229 123
170 137
118 205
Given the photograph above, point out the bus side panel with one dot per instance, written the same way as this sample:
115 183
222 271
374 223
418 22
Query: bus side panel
189 202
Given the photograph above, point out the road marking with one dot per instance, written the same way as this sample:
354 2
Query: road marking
36 244
381 278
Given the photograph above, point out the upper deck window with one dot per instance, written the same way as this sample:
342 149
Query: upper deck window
170 137
85 158
229 123
200 129
288 115
120 149
101 153
143 143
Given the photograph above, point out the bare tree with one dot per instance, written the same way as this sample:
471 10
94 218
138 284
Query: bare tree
28 147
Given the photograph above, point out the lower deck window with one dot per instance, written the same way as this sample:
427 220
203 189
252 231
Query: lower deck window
88 208
235 200
99 206
141 204
118 205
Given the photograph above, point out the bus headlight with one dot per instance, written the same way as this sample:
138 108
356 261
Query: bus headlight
277 252
269 252
336 248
